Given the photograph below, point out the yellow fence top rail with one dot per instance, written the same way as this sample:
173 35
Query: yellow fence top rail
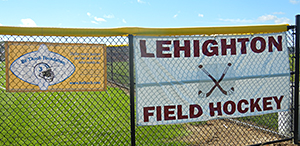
123 31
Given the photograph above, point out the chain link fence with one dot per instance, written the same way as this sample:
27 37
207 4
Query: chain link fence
223 131
103 117
68 118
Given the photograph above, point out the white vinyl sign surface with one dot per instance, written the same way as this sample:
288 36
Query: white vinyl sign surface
198 78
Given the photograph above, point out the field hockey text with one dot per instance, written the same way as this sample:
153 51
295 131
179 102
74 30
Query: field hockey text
174 112
169 49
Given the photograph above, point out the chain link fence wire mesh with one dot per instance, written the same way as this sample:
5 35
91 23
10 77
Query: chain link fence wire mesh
68 118
103 117
229 131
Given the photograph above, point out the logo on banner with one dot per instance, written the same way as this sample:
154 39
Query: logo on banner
217 83
42 68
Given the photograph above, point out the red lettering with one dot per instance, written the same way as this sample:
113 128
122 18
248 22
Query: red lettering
213 48
225 107
262 44
147 113
272 42
278 101
239 106
158 113
243 44
266 102
232 46
213 109
160 49
186 48
210 47
192 111
196 48
254 105
168 112
179 112
144 49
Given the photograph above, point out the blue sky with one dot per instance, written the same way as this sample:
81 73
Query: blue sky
146 13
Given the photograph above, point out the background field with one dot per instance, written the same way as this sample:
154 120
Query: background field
71 118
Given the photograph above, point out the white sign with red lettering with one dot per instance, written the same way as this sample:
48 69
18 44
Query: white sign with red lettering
197 78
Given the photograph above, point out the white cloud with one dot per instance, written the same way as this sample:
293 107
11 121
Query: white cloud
200 15
123 20
28 23
274 18
176 14
283 21
278 13
94 22
109 16
140 1
1 24
89 14
264 18
237 20
99 19
294 1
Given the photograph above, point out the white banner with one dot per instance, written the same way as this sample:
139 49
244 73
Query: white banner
197 78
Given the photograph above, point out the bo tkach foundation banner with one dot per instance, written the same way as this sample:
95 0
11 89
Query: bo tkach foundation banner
197 78
35 66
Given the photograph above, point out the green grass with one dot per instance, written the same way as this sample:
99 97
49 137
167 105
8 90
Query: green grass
2 74
119 72
74 118
60 118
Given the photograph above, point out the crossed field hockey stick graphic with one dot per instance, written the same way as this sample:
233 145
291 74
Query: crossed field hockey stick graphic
217 83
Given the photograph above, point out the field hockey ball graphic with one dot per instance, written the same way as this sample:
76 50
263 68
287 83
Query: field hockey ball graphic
42 68
217 83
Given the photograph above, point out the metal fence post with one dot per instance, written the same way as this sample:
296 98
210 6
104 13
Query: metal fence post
296 100
131 70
